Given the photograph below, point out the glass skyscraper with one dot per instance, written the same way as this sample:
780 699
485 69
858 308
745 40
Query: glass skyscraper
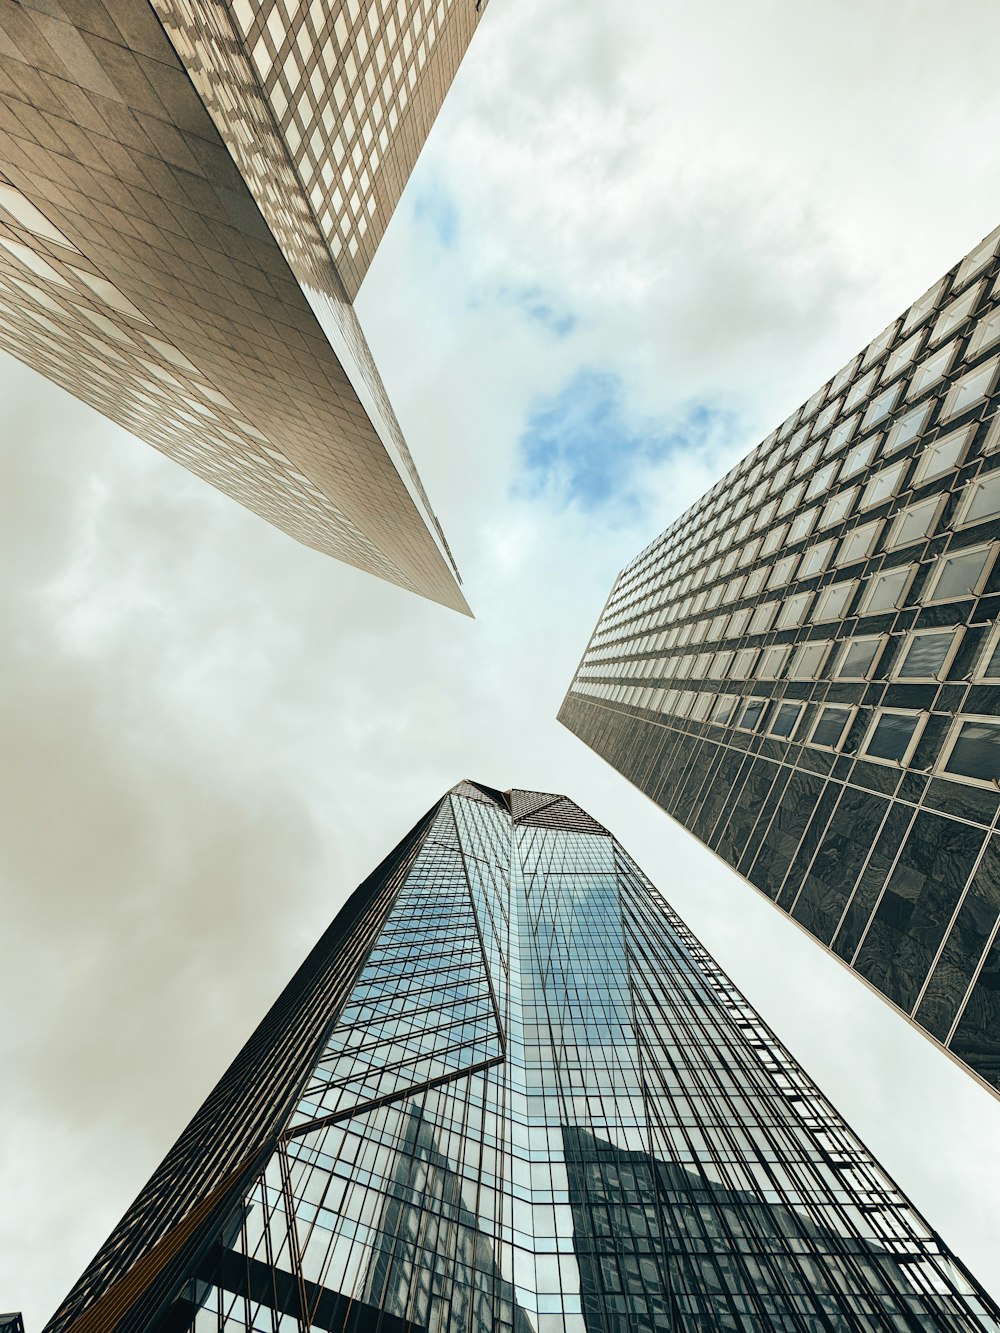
509 1092
804 668
191 192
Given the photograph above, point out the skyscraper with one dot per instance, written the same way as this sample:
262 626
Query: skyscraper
191 192
804 669
509 1092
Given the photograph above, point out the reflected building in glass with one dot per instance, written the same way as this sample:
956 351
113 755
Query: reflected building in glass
191 192
509 1092
804 668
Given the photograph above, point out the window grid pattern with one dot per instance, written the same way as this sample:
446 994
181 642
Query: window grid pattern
642 1154
899 544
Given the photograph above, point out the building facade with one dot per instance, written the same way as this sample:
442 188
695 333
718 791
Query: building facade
191 192
804 669
509 1092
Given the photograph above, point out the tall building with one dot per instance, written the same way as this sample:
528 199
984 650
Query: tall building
509 1092
191 192
804 669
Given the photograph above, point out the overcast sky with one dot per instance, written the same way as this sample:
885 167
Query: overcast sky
639 236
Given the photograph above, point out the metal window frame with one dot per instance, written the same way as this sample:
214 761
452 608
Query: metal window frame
957 633
951 740
780 704
845 647
991 548
851 712
871 583
921 715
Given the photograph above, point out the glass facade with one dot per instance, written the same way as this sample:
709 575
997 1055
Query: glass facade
803 668
522 1099
190 195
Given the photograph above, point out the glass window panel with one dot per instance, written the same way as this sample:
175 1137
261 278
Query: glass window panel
832 602
857 658
752 714
971 389
901 357
763 618
738 622
773 661
808 660
878 345
773 540
743 663
914 523
943 455
791 498
840 435
976 751
886 591
859 458
793 611
721 663
955 313
860 543
802 525
815 559
830 727
959 575
883 485
807 459
892 736
822 481
756 580
785 720
985 334
860 389
980 500
880 407
838 507
782 570
725 708
976 260
931 370
927 655
920 309
907 427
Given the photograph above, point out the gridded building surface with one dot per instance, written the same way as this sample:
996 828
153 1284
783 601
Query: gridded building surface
804 669
522 1099
161 256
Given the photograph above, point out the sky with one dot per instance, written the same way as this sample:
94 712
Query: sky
638 237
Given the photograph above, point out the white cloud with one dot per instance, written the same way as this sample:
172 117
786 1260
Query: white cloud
209 735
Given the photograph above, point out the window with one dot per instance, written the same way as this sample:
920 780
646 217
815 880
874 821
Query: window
725 707
840 435
883 485
814 560
752 713
791 498
721 663
858 658
961 574
838 507
743 663
785 720
892 736
915 523
830 727
763 618
772 662
973 750
807 459
699 709
808 660
880 407
859 544
821 481
955 313
927 655
782 570
859 458
980 501
901 357
793 611
972 388
802 526
738 622
832 603
860 389
774 540
985 334
907 428
931 370
943 455
886 591
756 580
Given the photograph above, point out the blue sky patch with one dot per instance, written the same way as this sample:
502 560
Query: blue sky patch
435 209
583 442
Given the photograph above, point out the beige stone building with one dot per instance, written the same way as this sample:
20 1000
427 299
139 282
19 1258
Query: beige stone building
191 193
